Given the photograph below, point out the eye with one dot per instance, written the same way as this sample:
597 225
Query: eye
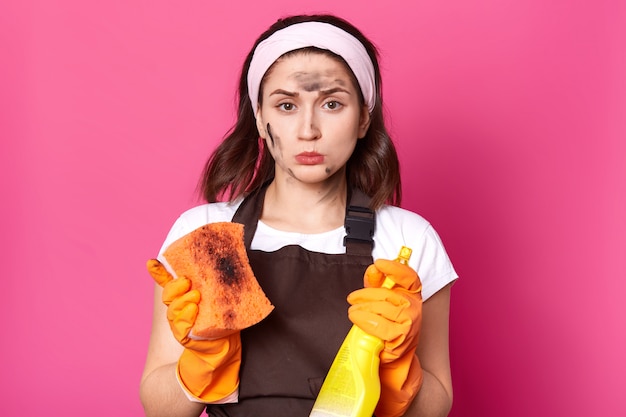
286 106
332 105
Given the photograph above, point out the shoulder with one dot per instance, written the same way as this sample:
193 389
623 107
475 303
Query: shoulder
209 213
398 215
198 216
397 227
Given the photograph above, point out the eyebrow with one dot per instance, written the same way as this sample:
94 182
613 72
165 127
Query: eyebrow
333 91
285 92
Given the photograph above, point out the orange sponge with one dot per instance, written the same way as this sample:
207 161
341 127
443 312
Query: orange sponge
213 257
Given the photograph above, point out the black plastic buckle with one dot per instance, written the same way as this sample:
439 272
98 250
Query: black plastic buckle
359 225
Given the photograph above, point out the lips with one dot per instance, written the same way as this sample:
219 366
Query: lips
309 158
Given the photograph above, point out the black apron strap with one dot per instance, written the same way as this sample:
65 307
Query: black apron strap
249 212
360 224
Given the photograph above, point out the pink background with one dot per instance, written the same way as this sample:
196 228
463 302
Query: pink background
510 117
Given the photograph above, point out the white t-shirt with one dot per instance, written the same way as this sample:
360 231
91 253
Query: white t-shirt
395 227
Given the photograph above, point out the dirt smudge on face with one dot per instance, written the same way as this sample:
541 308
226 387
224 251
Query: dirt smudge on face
269 133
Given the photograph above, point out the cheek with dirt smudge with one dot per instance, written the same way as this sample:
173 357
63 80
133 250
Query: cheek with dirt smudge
274 141
275 144
269 133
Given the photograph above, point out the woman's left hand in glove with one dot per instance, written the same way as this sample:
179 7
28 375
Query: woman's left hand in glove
393 315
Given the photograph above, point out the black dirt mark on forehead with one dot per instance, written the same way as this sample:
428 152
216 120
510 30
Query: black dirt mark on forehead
314 82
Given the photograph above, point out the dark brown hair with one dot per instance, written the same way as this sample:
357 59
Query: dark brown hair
241 164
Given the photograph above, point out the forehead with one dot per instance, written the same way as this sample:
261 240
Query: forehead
309 67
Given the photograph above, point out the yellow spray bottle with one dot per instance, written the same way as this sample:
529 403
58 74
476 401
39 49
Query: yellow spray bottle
352 386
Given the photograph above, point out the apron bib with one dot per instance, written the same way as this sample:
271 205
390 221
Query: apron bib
286 356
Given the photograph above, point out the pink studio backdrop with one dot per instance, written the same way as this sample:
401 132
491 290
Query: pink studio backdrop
510 120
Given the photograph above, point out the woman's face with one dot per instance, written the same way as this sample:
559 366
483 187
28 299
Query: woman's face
311 116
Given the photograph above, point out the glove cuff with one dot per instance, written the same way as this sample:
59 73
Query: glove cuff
212 378
400 381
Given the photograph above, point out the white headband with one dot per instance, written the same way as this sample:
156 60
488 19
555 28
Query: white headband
319 35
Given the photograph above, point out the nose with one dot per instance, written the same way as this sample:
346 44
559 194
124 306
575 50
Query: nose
308 128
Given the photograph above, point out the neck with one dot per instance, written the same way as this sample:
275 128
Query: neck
305 208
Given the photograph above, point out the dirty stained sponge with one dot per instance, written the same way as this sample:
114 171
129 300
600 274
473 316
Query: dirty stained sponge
213 257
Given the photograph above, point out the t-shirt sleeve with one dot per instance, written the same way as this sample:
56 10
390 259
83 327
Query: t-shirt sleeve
433 264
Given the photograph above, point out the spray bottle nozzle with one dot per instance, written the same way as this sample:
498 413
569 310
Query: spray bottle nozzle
403 258
404 255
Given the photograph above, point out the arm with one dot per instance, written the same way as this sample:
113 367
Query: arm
160 392
434 399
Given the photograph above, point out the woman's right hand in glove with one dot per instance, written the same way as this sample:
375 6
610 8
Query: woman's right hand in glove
208 370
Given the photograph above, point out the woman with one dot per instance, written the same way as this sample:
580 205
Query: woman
311 172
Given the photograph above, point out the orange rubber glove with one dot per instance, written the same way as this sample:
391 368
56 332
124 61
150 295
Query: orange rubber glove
395 316
207 369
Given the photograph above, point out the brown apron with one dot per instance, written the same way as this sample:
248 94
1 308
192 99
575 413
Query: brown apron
286 357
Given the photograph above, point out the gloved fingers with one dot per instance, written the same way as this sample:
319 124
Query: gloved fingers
394 305
158 272
373 277
365 295
375 325
219 334
398 338
386 310
178 304
393 316
182 316
403 275
175 289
